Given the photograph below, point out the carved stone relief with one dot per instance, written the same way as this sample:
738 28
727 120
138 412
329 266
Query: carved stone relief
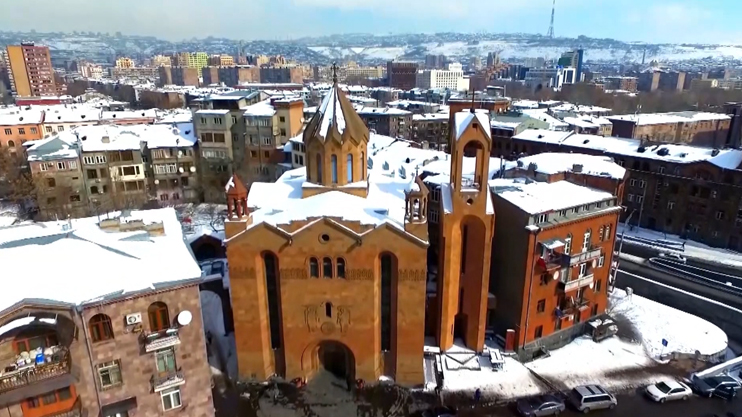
311 317
242 272
294 273
343 318
360 275
412 275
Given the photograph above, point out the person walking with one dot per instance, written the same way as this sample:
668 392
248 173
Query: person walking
477 395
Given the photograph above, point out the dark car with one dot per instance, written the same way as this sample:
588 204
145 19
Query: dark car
542 405
723 386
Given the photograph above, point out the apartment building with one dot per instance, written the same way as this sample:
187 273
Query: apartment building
653 80
264 149
387 121
124 62
221 60
683 190
620 83
67 117
430 130
689 127
18 126
162 61
236 75
30 70
281 74
137 349
179 75
107 167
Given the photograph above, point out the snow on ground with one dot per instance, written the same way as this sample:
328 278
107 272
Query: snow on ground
613 363
685 333
692 249
514 381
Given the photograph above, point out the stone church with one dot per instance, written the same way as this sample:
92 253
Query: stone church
328 265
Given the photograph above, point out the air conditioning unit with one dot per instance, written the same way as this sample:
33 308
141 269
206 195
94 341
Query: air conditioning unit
132 319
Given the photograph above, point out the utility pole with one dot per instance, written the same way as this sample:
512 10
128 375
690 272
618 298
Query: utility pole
550 33
620 249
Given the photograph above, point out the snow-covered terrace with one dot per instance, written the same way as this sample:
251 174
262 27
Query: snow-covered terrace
676 117
552 163
48 255
543 197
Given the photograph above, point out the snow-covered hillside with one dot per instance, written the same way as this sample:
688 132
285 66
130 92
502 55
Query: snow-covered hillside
510 49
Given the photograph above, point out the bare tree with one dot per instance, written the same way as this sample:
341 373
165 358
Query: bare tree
16 183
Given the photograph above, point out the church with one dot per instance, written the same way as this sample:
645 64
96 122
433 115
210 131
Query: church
328 265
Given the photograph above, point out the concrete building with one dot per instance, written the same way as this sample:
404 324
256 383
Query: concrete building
435 61
430 130
387 121
278 75
236 75
451 78
179 76
690 127
402 75
138 348
551 78
734 111
620 83
89 70
30 70
573 59
221 60
652 80
162 61
210 75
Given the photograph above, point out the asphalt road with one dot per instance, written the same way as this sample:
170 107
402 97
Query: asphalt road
635 405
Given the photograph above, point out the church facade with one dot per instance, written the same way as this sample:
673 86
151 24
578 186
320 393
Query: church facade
328 266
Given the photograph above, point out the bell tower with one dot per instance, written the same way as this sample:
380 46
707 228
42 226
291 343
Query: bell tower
238 215
467 231
336 140
416 209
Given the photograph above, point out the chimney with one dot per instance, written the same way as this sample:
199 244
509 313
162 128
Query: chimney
577 168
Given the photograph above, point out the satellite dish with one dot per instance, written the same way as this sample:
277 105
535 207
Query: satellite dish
184 318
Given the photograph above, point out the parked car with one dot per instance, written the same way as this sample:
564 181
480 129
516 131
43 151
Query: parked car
674 256
723 386
542 405
668 390
587 398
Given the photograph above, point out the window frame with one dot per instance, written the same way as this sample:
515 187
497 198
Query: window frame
340 268
100 328
171 393
108 366
169 366
313 267
157 320
327 267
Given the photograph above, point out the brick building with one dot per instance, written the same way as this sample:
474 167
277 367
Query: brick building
690 127
107 347
684 190
281 74
402 75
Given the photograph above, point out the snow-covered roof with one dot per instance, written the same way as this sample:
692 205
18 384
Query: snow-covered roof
540 135
525 104
568 107
390 111
129 114
431 116
554 163
212 112
331 110
542 114
579 122
167 135
11 116
261 109
676 117
134 260
541 197
175 116
463 119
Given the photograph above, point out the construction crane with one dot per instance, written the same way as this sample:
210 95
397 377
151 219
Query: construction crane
550 33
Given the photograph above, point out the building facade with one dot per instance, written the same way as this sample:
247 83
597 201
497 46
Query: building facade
695 128
281 75
387 121
30 70
430 130
402 75
451 78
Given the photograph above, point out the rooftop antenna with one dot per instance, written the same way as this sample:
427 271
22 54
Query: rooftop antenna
550 33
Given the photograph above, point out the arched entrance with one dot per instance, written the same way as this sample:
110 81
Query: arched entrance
330 356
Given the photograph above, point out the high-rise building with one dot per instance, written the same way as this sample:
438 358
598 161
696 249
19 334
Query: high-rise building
161 61
402 75
221 60
30 70
452 78
573 59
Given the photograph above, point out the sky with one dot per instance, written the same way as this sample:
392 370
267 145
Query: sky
656 21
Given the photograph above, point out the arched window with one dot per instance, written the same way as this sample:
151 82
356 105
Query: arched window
586 240
159 318
11 144
363 166
349 168
313 268
601 233
318 161
568 244
270 265
387 271
340 267
334 166
100 328
327 267
328 309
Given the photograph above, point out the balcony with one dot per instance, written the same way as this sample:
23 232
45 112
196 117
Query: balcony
572 305
160 340
578 283
75 411
588 255
36 379
167 381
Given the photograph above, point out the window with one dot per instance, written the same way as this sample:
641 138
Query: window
334 168
630 198
598 284
435 194
583 270
538 332
594 310
541 306
601 261
8 132
266 155
328 309
541 218
567 244
313 268
217 120
60 128
266 140
349 168
234 120
61 166
601 233
100 328
642 184
165 360
270 266
433 215
159 318
387 271
318 161
100 159
11 144
607 232
88 160
109 374
639 199
632 182
34 131
327 267
340 268
170 399
661 170
21 131
586 241
51 182
203 120
670 205
74 198
363 165
719 215
281 119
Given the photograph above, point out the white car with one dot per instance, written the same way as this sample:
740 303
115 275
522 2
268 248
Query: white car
672 256
669 390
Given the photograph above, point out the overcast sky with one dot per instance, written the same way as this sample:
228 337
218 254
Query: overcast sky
706 21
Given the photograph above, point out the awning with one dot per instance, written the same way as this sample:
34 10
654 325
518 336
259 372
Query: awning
119 407
552 244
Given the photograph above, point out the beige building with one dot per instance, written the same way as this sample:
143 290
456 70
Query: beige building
124 62
162 61
30 70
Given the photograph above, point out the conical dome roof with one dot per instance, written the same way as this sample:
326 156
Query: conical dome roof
336 113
